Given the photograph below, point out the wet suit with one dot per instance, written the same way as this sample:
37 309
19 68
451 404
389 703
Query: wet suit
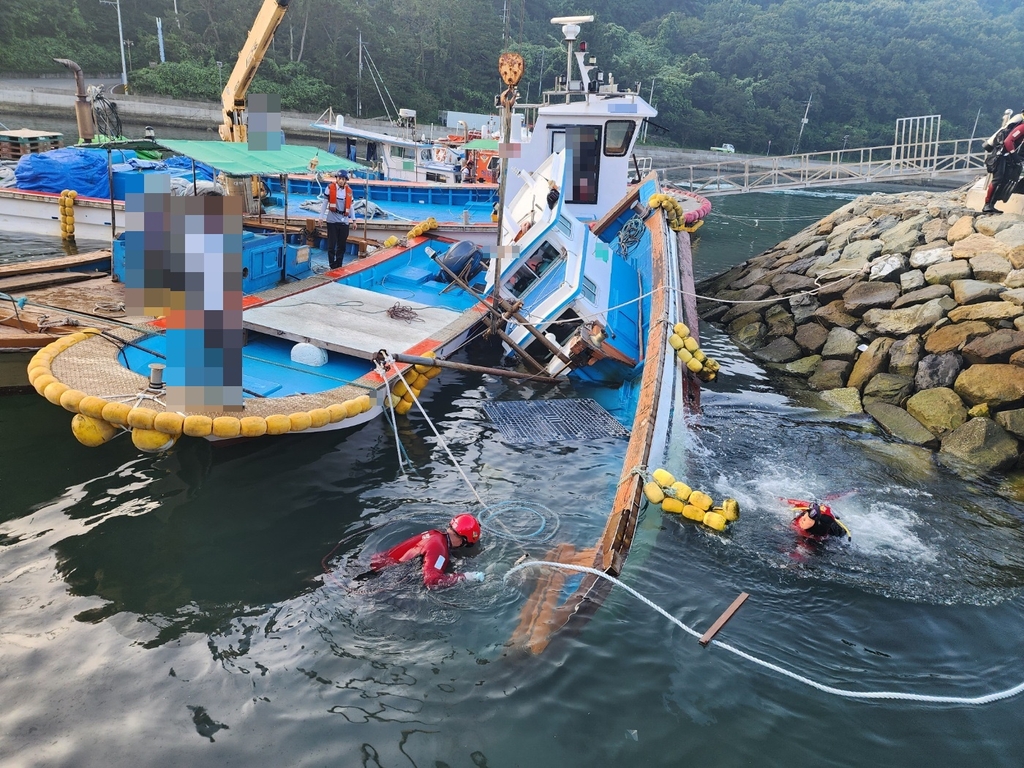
433 546
1004 163
825 522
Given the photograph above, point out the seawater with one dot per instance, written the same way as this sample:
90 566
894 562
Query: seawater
202 607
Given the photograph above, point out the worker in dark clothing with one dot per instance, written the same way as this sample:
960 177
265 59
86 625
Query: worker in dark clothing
1004 163
337 207
434 547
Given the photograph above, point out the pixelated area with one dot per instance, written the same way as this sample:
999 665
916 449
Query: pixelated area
183 261
584 141
264 121
509 150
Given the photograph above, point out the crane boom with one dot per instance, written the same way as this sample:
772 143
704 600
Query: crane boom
249 59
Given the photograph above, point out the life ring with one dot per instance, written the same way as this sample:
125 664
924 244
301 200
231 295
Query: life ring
440 153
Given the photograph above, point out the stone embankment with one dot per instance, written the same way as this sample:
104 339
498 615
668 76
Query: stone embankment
909 307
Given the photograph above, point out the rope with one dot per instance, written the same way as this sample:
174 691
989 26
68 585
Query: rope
391 361
843 692
110 308
631 234
401 312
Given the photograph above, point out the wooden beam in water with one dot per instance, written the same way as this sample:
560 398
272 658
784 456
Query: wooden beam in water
720 622
56 265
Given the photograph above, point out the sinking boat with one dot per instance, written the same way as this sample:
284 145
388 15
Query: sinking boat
590 282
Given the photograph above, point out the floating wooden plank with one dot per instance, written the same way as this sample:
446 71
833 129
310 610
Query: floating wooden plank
100 258
742 598
43 280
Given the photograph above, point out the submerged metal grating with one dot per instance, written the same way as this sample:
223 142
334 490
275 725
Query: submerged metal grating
551 421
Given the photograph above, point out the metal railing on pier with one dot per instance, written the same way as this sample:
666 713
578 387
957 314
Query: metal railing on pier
829 169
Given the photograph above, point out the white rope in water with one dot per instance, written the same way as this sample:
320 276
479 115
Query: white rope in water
970 700
391 361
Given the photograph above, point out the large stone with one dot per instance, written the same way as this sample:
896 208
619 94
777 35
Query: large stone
904 356
834 290
1014 296
734 325
993 225
823 263
961 228
912 280
787 283
830 374
782 350
779 321
811 336
989 266
906 320
887 388
946 272
973 291
1001 386
922 295
900 239
803 366
861 251
954 336
871 362
940 410
938 370
1013 236
900 424
1016 257
977 244
840 234
749 279
1012 421
803 308
846 399
987 311
935 229
996 347
841 343
888 268
751 335
833 314
865 296
980 445
928 255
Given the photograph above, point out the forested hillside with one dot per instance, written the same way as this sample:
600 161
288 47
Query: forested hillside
738 71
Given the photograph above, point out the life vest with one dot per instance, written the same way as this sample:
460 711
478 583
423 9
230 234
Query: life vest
332 198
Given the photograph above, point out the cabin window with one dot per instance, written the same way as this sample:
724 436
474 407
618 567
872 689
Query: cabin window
396 151
565 225
618 134
589 290
557 141
585 143
371 152
534 268
437 178
426 156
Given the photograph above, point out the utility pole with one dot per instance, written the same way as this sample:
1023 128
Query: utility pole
120 36
359 80
802 124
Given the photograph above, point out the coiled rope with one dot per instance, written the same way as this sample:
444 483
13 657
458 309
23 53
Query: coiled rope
896 695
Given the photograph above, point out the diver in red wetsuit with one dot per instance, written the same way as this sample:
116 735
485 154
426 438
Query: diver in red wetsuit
435 546
816 521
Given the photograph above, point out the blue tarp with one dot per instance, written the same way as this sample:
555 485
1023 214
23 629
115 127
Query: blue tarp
83 170
203 171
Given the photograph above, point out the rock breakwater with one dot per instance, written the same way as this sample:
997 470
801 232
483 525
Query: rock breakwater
907 307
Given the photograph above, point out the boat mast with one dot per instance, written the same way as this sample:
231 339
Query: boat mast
511 67
570 31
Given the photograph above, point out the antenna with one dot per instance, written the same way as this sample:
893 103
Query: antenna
570 31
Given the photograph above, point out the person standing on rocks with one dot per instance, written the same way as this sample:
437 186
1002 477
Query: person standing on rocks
1003 162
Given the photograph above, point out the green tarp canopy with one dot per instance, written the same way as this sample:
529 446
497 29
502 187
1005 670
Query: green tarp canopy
488 144
235 158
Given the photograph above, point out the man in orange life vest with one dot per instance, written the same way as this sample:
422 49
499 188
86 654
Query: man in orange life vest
337 205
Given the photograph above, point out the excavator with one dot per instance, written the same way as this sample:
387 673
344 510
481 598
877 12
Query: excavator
249 58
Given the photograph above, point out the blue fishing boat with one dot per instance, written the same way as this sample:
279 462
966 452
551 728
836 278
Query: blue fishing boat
589 286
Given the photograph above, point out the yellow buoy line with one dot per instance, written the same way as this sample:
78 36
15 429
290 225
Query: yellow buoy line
67 214
988 698
98 420
689 353
676 497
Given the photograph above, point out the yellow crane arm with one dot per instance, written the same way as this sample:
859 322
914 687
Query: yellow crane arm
249 59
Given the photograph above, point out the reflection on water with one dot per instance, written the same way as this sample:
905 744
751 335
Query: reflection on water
203 606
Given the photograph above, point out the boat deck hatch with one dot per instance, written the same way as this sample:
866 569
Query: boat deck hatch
551 421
